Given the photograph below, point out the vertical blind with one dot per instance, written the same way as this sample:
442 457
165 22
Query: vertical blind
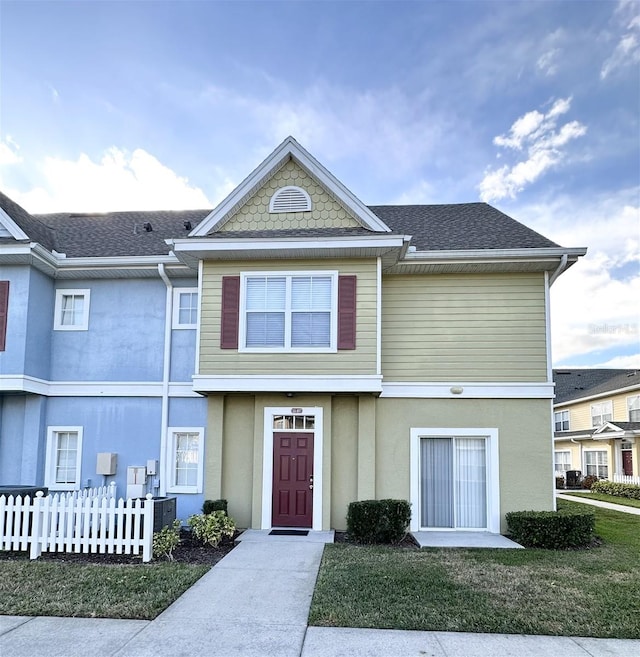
453 483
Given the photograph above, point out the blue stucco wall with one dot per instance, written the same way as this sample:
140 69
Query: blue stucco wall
130 427
22 431
124 342
183 354
39 325
12 359
30 319
125 337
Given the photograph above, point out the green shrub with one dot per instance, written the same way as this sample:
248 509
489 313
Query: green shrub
378 521
210 506
166 540
211 528
559 482
551 530
630 491
588 481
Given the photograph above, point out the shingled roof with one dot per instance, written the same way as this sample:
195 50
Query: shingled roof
462 226
459 226
37 230
119 233
574 384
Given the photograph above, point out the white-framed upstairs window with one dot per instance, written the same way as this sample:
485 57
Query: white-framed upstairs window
596 463
185 462
561 420
633 407
288 311
601 412
562 460
185 308
63 458
71 310
290 199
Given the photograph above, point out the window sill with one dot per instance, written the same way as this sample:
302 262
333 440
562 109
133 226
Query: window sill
188 490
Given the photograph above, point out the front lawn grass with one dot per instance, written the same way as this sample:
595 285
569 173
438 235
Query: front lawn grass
601 497
592 592
52 588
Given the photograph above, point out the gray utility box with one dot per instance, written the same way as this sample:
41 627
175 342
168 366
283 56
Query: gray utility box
164 512
573 478
23 490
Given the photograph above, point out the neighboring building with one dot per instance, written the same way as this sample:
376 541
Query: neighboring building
597 423
291 351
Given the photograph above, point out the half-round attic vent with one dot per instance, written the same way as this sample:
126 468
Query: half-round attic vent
290 199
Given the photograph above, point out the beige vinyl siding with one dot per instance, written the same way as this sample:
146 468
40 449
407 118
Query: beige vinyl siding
476 327
326 212
573 448
362 360
580 412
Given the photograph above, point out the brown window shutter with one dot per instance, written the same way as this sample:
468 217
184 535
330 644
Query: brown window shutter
230 312
4 306
346 312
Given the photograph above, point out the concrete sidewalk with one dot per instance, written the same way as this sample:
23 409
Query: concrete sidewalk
255 603
584 499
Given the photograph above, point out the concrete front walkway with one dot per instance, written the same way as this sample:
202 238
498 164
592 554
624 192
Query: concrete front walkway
584 499
255 603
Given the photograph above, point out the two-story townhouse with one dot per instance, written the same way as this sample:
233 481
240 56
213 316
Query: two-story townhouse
339 351
99 333
597 423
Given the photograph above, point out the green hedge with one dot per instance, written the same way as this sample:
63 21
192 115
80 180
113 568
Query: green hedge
551 530
378 521
630 491
210 506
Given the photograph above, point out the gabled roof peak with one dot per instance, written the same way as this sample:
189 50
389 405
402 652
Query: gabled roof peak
289 149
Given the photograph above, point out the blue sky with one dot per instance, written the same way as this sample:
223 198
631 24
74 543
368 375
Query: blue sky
533 107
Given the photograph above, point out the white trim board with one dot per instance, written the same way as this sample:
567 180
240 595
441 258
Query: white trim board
287 383
25 383
12 227
463 390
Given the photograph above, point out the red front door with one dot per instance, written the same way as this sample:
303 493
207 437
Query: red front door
292 480
627 462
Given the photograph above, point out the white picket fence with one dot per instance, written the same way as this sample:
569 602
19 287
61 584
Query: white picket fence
626 479
77 522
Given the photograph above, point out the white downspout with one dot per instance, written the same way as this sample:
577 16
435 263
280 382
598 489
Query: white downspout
166 371
379 316
561 267
579 444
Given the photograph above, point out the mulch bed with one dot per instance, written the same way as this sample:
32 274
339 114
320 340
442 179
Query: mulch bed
189 551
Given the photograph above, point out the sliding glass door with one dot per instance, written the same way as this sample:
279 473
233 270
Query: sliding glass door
453 482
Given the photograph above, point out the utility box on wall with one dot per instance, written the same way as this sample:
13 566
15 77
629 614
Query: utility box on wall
106 463
136 480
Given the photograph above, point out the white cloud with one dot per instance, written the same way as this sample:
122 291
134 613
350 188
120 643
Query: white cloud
389 129
627 51
539 136
621 362
548 62
118 181
594 305
9 152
